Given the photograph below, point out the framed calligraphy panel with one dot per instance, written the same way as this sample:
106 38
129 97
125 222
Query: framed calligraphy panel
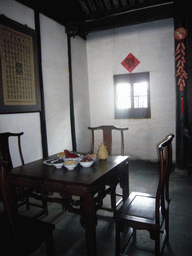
19 74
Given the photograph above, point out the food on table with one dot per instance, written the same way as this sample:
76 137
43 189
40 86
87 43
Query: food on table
62 154
49 161
59 161
70 162
69 154
87 159
92 155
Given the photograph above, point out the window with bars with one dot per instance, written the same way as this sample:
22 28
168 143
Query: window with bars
132 96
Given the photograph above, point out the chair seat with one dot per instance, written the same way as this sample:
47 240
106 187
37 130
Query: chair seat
139 207
30 234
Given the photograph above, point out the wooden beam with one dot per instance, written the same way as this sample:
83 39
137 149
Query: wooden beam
129 18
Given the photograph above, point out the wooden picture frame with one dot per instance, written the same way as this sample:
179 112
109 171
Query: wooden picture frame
19 70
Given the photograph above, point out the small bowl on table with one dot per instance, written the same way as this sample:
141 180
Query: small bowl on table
70 164
58 163
86 161
86 164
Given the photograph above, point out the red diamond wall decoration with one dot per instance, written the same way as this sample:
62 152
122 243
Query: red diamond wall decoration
130 62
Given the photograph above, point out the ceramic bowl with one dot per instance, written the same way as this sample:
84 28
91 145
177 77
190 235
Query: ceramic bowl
70 164
86 164
58 164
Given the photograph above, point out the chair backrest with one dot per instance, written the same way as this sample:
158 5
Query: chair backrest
162 195
107 136
5 150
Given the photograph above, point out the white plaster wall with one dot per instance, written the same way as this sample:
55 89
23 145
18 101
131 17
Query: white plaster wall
27 123
17 12
153 45
56 84
81 94
56 90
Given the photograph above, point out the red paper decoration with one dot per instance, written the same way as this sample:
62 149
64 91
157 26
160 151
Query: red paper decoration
180 35
130 62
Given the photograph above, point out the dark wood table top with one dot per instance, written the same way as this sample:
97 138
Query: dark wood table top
80 176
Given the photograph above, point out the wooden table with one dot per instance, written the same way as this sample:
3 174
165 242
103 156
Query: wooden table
84 182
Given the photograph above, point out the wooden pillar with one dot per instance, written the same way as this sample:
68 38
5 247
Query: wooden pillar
181 96
189 84
72 114
42 112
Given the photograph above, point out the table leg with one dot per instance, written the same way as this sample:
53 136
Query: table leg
90 225
124 180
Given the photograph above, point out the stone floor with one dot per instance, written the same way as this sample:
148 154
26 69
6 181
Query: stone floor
69 236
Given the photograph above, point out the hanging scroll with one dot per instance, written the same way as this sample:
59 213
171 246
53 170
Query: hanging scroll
19 83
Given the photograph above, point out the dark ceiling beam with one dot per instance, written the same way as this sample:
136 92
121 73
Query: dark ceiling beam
81 17
61 11
126 19
115 9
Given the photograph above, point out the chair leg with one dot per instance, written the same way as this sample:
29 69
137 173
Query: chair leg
113 198
50 245
165 234
127 233
167 226
44 203
117 243
27 203
157 245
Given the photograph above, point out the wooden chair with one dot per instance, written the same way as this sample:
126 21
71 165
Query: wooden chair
21 235
107 137
24 194
147 212
107 140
